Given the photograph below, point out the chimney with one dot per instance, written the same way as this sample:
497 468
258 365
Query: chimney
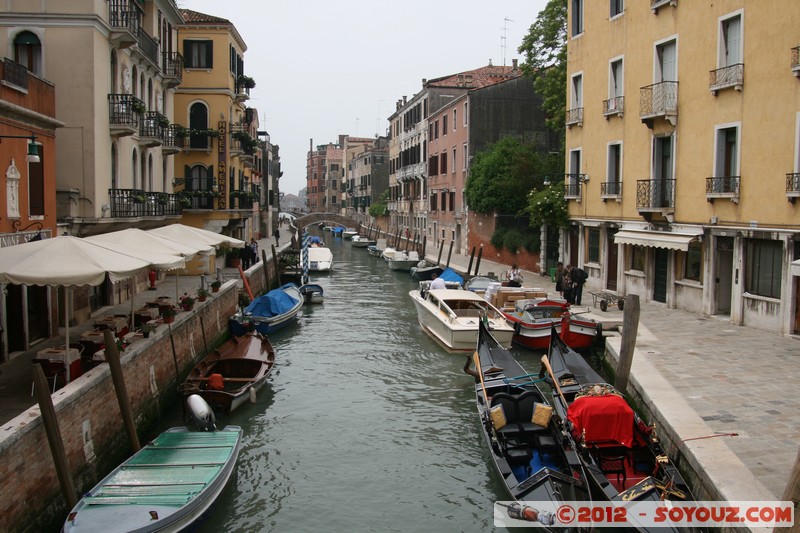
404 100
514 65
424 81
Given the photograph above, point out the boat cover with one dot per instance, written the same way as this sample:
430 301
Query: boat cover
602 420
448 274
274 303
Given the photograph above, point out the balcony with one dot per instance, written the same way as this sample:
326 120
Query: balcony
572 189
793 186
723 187
659 100
725 77
124 114
201 139
126 203
796 61
655 4
655 196
151 128
614 106
174 139
575 116
15 75
148 47
124 17
611 190
197 193
172 67
242 92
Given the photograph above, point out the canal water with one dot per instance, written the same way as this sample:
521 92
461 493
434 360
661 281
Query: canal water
365 424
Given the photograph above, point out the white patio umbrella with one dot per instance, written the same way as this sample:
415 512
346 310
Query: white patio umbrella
66 261
191 236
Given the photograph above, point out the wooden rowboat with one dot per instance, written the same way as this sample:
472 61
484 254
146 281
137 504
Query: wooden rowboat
244 363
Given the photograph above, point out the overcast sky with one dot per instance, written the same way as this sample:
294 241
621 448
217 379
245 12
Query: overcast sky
324 68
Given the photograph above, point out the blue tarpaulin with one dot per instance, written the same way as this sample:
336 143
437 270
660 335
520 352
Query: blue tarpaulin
274 303
451 275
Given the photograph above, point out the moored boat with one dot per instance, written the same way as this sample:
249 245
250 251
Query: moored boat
451 317
425 270
312 293
524 439
269 312
401 261
166 486
320 259
533 318
349 233
360 241
233 373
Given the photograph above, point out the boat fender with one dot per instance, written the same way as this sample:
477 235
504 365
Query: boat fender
252 393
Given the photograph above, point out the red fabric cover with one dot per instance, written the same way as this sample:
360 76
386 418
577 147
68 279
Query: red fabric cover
605 418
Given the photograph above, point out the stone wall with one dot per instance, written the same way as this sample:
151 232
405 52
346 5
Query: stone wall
89 416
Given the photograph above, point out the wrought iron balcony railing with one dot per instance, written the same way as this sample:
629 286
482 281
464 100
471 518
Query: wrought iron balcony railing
656 194
722 186
152 126
614 106
730 76
124 111
658 99
15 74
172 66
575 116
148 46
197 193
793 183
139 203
174 139
125 18
611 189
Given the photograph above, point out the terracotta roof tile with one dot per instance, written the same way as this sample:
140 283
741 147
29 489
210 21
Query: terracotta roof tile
476 79
196 17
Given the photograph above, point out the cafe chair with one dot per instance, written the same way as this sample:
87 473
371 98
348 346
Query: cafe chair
52 368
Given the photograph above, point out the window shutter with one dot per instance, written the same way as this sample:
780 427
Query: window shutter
187 171
210 171
209 54
187 54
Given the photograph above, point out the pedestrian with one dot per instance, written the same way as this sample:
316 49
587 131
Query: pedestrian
277 234
246 256
514 276
579 277
566 285
560 278
254 247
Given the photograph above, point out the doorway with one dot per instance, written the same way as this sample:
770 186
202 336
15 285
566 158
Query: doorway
723 275
612 257
661 268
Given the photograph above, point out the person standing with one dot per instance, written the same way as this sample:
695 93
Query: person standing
277 235
514 276
579 277
254 247
566 285
246 256
560 278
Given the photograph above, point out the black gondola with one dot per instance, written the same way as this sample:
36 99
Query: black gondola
621 454
529 456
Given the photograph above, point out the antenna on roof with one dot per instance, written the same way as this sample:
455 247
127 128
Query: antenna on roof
503 39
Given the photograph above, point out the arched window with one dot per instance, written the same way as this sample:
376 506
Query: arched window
198 120
28 51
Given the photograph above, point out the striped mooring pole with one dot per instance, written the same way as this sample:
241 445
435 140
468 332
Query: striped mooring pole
305 257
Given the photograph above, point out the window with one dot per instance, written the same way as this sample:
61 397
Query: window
617 7
434 196
444 202
576 96
693 261
453 163
436 130
593 239
465 156
727 152
616 89
466 109
444 124
452 200
198 120
637 258
444 163
198 54
577 17
455 117
28 51
666 62
730 45
614 171
763 275
36 185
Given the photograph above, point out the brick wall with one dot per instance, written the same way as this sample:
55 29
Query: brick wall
481 228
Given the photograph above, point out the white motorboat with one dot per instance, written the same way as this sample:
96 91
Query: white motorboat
349 233
320 259
451 318
359 241
401 260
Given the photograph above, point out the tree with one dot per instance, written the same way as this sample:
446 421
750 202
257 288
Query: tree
501 177
545 49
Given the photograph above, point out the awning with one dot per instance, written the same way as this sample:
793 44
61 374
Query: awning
795 268
656 239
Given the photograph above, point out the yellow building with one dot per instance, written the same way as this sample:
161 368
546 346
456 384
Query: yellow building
683 153
216 176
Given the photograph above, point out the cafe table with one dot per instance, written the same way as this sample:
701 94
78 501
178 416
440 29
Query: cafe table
114 323
70 357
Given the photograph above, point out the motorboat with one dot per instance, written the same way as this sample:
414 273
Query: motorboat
376 250
532 319
360 241
233 373
401 261
312 293
425 270
167 485
349 233
451 317
320 259
269 312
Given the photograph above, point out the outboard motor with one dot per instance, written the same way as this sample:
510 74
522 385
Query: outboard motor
201 414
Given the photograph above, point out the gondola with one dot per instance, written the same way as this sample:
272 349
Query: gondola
529 456
621 454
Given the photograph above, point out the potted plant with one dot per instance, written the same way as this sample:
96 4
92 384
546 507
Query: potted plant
147 329
202 294
138 106
247 81
215 285
168 313
187 302
138 198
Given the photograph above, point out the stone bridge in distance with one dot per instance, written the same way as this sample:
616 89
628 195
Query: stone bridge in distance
316 218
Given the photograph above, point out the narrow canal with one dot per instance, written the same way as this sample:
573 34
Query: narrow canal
366 423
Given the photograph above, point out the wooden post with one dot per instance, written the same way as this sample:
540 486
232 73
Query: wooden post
424 245
471 257
112 357
441 249
449 253
630 327
54 435
266 269
478 262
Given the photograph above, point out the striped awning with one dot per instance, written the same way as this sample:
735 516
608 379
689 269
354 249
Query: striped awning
656 239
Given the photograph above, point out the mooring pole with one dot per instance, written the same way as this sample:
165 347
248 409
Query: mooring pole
424 245
54 435
630 326
471 257
478 262
112 357
441 249
449 253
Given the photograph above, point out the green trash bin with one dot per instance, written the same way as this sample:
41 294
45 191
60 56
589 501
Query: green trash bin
553 274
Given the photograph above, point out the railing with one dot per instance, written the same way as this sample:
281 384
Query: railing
575 115
148 46
659 99
139 203
655 194
172 65
152 125
611 188
793 182
174 137
15 74
241 89
197 193
614 106
122 15
730 76
124 109
572 189
198 141
722 185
